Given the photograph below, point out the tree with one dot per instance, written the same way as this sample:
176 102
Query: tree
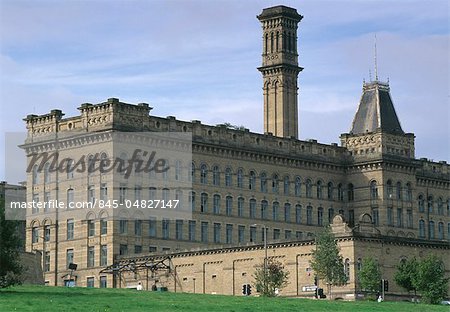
326 261
430 279
405 274
10 266
369 275
276 277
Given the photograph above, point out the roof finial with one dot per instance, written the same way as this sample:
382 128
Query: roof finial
375 56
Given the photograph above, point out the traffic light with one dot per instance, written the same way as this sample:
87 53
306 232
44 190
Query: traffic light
386 285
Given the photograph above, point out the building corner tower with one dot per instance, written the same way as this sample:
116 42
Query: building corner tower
280 70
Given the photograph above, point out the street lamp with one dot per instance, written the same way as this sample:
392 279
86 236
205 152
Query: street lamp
265 254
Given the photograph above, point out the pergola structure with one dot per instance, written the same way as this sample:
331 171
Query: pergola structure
153 264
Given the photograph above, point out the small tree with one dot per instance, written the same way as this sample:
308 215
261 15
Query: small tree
326 261
274 277
430 279
405 274
10 267
370 275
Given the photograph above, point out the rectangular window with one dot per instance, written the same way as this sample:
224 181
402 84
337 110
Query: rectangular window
241 234
46 201
91 194
91 228
70 227
299 235
123 226
240 207
252 213
179 229
122 193
90 282
229 233
152 193
69 257
376 218
287 234
252 234
103 226
35 206
152 227
409 218
276 234
165 228
217 230
103 255
47 261
103 192
152 249
192 225
204 232
389 216
399 217
47 233
123 250
138 227
91 256
103 283
137 192
137 249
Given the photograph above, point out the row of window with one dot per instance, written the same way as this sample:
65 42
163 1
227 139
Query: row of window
431 230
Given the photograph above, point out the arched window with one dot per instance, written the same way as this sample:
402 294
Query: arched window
399 190
228 174
165 195
308 188
271 42
251 180
240 206
441 230
440 206
340 192
309 213
289 42
70 197
287 212
431 230
47 176
421 203
122 168
178 170
276 42
240 178
320 216
330 215
408 192
90 165
192 200
266 45
286 186
275 209
347 268
203 202
252 208
203 174
298 214
350 192
430 204
263 178
330 191
373 190
422 229
216 204
275 184
298 186
191 174
319 190
389 190
359 264
284 47
228 205
264 207
216 176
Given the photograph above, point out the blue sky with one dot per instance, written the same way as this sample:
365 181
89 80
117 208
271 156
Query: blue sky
197 60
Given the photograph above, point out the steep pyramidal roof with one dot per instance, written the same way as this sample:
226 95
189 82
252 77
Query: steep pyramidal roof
376 110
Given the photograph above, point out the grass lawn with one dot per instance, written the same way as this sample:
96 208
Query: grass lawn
47 299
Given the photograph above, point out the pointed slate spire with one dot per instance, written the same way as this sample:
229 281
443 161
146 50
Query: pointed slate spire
376 110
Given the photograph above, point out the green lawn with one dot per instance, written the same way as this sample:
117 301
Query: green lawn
47 299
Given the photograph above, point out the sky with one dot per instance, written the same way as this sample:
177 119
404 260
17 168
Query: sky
197 60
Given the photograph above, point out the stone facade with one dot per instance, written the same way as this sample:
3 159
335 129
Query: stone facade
242 182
